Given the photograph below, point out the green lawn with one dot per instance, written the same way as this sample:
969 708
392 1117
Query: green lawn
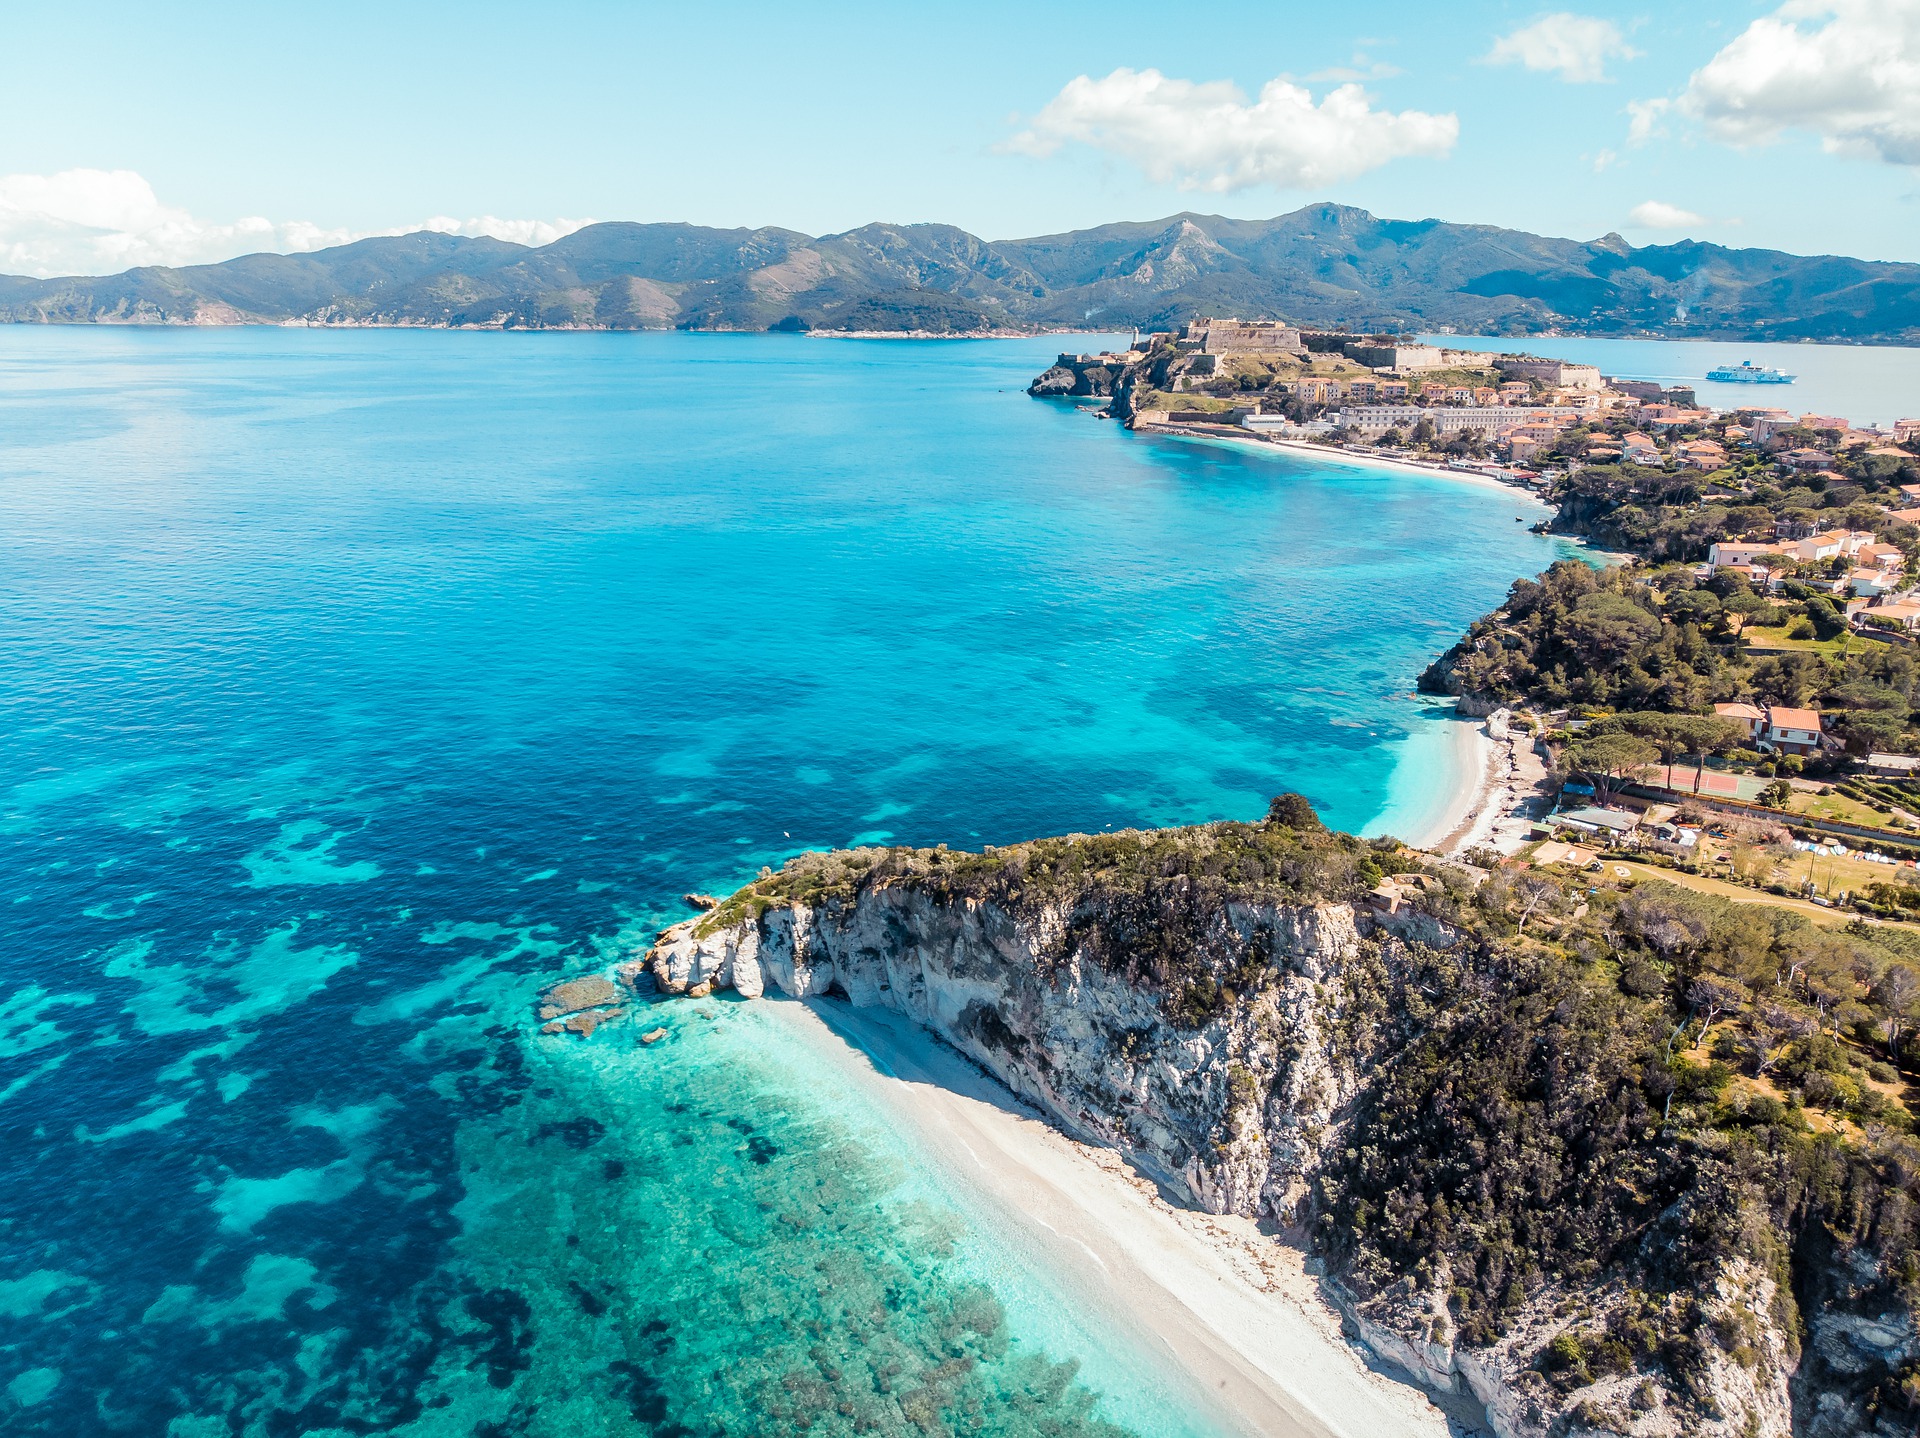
1839 808
1756 636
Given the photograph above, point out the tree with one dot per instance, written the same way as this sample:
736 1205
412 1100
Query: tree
1293 811
1607 626
1897 991
1828 622
1865 730
1608 759
1710 998
1677 734
1777 794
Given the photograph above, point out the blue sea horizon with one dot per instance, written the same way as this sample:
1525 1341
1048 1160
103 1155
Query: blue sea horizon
360 682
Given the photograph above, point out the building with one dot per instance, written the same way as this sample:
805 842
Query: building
1394 357
1807 458
1234 336
1751 715
1794 731
1765 425
1555 852
1893 766
1314 389
1736 551
1450 419
1672 416
1700 454
1644 390
1552 372
1608 823
1906 431
1788 731
1901 614
1638 448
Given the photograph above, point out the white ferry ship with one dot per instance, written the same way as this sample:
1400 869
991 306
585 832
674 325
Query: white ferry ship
1747 372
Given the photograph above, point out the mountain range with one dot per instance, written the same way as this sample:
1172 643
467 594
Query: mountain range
1323 265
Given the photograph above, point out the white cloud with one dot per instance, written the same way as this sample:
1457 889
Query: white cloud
96 222
1649 120
1659 215
1845 70
1206 136
1577 47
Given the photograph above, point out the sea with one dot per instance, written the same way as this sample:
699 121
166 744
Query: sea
357 684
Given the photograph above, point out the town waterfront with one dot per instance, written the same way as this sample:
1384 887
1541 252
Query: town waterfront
1865 384
358 682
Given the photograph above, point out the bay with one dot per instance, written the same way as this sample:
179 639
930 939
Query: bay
357 683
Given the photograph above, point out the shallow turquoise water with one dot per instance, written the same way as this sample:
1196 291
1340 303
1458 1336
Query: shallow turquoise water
356 683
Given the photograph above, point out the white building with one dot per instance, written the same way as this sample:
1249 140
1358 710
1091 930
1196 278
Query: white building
1489 419
1557 373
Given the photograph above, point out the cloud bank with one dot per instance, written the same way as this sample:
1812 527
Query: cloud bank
1206 135
100 222
1847 71
1575 47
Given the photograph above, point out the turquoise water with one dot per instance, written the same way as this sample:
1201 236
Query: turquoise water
356 683
1865 384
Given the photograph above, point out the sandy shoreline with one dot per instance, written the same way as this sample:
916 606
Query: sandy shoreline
1499 806
1232 1309
1335 455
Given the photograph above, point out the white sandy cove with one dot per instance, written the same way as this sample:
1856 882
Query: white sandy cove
1232 1308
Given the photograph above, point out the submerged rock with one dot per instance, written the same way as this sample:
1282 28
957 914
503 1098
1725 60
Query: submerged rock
576 994
581 1005
653 1036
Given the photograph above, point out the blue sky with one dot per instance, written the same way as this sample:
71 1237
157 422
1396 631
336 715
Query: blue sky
151 132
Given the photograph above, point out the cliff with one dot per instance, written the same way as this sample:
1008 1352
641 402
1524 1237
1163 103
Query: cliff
1514 1190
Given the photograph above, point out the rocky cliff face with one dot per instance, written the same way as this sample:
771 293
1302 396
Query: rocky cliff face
1232 1048
1091 1049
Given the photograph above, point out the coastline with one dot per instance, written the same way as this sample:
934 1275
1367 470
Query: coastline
1236 1313
1505 801
1498 778
1336 455
1496 791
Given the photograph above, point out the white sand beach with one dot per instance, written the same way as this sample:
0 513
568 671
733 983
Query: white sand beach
1510 794
1333 454
1231 1308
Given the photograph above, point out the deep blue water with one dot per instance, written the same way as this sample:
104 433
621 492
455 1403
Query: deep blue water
355 684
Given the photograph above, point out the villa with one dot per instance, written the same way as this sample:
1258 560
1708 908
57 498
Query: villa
1777 728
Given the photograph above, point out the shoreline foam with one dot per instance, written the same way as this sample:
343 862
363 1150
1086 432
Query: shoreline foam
1233 1309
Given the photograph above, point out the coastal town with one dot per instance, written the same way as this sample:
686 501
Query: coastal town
1771 557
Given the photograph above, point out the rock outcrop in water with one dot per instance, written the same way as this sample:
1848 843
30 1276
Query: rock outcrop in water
1513 1194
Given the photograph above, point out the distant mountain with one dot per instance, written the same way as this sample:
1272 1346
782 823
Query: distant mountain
1324 265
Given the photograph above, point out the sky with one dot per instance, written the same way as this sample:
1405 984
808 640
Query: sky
159 133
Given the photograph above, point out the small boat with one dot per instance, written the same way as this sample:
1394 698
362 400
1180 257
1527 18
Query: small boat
1747 372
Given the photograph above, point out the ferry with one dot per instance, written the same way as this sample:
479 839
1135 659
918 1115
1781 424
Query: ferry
1747 372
